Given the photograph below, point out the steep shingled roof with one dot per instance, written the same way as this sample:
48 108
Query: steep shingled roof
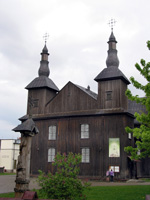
27 126
136 107
88 91
111 73
41 82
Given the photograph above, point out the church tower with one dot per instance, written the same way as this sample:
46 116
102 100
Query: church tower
112 83
42 89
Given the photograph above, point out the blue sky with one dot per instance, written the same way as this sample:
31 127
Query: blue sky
78 34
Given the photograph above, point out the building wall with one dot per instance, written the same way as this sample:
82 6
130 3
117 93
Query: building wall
9 152
39 100
71 98
68 139
117 90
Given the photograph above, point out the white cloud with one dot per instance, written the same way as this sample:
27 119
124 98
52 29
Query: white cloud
77 44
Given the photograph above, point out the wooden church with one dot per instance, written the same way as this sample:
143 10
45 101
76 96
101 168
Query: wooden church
75 119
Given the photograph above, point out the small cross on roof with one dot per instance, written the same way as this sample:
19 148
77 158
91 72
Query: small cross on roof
112 23
46 36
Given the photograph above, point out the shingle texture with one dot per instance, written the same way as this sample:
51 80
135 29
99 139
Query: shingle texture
111 73
136 107
27 126
42 82
88 91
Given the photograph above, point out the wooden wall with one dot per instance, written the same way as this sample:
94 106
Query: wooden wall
39 98
69 140
118 88
71 98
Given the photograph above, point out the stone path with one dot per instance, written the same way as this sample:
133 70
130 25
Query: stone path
7 183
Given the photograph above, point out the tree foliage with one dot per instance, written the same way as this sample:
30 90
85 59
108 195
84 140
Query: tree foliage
142 134
64 184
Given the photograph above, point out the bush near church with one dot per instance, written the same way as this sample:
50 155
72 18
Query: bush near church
64 184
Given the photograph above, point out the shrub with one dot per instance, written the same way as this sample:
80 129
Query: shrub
64 184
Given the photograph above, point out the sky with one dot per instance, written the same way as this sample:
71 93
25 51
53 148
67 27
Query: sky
78 35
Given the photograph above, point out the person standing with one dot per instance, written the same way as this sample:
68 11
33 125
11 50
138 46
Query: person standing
111 174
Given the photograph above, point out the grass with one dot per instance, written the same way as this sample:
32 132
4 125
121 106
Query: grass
146 179
11 195
137 192
7 173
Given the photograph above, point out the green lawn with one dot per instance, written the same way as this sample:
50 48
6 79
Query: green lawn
112 192
7 173
11 194
118 192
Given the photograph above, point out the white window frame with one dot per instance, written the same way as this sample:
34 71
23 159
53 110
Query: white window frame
138 152
84 131
115 168
130 136
51 154
85 152
52 132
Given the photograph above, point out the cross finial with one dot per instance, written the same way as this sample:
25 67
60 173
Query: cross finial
46 36
112 23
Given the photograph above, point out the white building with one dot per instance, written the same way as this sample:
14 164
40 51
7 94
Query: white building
9 151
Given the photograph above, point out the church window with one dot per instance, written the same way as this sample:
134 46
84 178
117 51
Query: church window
114 147
129 135
138 152
85 152
84 131
109 95
52 133
35 103
51 154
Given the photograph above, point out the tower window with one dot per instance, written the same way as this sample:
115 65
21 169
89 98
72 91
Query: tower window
52 133
51 154
84 131
109 95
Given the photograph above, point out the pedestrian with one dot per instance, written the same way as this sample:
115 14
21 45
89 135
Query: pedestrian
111 174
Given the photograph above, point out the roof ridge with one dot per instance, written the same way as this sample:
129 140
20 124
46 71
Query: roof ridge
87 91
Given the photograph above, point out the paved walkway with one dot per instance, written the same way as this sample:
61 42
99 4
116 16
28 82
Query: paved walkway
7 183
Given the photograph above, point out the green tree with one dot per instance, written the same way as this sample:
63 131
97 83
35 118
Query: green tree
142 134
64 184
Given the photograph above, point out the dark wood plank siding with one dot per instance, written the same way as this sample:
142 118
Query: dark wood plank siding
117 89
39 100
69 140
71 98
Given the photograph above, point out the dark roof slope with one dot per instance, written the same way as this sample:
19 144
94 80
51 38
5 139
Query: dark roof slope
136 107
88 91
111 73
41 82
27 126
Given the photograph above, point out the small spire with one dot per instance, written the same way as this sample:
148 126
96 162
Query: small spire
112 58
44 68
45 50
112 38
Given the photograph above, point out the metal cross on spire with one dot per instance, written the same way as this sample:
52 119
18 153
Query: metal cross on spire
46 36
112 23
